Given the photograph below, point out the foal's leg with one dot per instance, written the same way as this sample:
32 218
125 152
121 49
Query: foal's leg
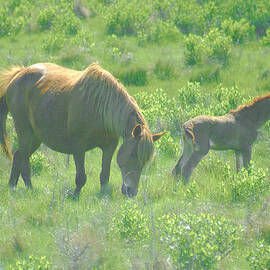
243 158
187 152
246 154
239 160
190 165
80 173
107 153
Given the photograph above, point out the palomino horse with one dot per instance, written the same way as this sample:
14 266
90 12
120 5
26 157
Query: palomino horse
72 112
236 130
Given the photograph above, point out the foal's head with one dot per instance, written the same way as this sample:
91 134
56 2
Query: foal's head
133 154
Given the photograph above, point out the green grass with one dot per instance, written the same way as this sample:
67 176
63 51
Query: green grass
47 222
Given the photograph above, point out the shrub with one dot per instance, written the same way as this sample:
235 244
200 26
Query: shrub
218 46
130 224
10 25
38 162
266 39
54 42
225 100
126 18
197 241
259 258
168 145
159 31
247 184
239 31
215 46
191 17
46 17
160 111
32 263
194 53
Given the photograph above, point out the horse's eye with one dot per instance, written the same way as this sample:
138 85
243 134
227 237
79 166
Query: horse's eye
133 154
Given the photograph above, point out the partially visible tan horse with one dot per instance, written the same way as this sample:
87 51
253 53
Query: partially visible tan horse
72 112
236 130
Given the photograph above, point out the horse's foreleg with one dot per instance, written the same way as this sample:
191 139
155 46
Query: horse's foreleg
26 172
190 165
80 173
107 153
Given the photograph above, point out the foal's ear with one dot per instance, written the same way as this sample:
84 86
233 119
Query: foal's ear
155 137
137 130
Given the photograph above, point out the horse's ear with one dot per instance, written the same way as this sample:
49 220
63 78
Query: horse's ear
155 137
137 130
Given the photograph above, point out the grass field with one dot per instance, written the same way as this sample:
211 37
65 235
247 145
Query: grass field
221 219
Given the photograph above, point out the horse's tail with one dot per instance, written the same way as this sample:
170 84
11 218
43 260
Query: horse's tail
188 132
6 78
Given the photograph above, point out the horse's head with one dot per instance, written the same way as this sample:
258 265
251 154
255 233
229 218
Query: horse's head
135 151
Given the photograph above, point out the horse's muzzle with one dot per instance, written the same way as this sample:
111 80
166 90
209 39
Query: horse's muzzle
128 191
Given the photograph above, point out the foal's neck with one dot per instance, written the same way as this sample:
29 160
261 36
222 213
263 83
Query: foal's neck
257 113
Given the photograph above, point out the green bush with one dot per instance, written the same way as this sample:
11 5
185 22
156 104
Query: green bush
248 184
46 17
266 39
225 100
168 145
215 46
54 42
157 32
239 31
126 18
38 162
130 224
259 257
32 263
10 25
197 241
160 111
191 17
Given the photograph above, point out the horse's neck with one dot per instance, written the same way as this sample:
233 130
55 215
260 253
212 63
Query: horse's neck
258 113
131 122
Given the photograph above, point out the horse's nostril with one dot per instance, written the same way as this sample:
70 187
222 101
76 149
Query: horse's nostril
128 191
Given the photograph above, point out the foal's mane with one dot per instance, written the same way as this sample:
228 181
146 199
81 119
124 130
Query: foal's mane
251 104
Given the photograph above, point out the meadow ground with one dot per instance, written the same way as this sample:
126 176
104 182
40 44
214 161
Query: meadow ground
221 219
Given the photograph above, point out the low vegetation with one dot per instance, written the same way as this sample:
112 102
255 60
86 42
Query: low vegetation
179 59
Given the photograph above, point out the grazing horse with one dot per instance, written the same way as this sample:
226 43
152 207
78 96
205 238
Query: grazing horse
236 130
72 112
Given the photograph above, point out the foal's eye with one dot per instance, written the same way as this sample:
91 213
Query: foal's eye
133 154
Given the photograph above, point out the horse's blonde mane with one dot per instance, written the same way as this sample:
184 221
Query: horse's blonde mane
102 91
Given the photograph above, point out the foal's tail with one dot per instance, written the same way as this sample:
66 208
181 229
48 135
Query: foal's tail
188 132
6 78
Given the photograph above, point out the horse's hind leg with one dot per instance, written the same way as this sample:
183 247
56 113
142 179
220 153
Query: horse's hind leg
21 165
80 173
